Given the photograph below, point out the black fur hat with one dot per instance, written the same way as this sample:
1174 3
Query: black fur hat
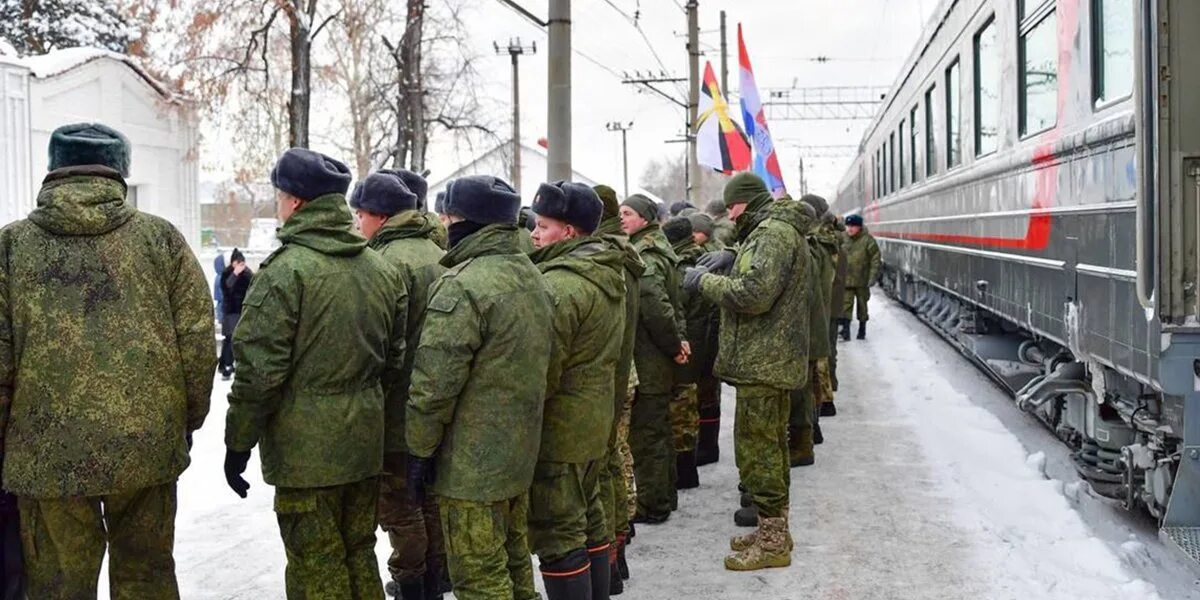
89 144
414 182
572 203
483 199
678 228
818 204
309 175
383 193
439 203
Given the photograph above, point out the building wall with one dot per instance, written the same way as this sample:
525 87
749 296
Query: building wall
163 177
16 193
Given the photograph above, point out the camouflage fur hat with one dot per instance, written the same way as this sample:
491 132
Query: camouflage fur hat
89 144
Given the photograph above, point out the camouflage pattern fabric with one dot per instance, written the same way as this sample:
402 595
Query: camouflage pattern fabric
824 385
525 240
566 513
487 548
322 326
862 260
725 231
479 381
653 449
823 247
414 530
439 235
106 341
586 279
626 455
406 242
64 540
803 413
685 417
841 265
761 446
764 302
701 316
857 298
329 536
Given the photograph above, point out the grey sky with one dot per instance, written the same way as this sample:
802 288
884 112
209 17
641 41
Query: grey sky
869 40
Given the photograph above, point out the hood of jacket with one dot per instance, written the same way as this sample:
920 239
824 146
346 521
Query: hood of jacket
88 200
784 209
590 258
611 232
325 225
687 248
500 238
406 225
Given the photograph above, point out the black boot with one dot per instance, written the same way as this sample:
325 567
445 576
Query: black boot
708 450
685 466
622 564
862 330
828 410
406 591
845 333
746 517
601 572
436 582
569 578
616 585
817 437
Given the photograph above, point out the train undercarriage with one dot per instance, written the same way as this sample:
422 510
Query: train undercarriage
1125 436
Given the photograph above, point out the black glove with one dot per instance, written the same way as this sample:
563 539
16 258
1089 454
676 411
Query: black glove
718 262
420 475
235 465
691 280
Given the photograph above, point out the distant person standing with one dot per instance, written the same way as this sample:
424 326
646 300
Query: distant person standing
235 282
106 367
863 264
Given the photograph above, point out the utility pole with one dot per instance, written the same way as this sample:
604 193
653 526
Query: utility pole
624 129
516 50
559 118
693 161
724 58
803 179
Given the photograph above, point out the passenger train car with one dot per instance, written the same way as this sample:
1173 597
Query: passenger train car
1033 179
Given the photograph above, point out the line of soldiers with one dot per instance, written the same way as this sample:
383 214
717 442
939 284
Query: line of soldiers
422 374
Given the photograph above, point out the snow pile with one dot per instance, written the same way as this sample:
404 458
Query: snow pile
61 61
1030 537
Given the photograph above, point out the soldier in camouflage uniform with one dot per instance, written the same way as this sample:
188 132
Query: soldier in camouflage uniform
322 336
616 482
106 368
764 303
698 313
862 270
525 224
659 347
386 205
836 299
567 525
440 235
708 387
723 228
474 419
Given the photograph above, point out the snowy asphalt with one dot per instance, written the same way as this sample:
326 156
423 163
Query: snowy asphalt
925 488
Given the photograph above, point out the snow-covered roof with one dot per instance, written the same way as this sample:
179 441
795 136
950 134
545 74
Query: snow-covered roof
58 62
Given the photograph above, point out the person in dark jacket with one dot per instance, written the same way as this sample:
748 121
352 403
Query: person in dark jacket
235 281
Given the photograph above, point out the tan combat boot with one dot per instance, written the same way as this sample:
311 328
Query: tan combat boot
739 543
771 549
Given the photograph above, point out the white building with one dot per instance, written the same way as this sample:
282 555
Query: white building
38 94
498 162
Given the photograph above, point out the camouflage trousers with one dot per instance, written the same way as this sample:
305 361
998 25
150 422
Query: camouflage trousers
823 389
565 510
64 541
833 351
616 481
685 417
860 296
761 446
414 530
653 453
807 401
329 537
487 548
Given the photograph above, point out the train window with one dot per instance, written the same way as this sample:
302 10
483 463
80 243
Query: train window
912 145
987 90
892 163
1112 32
953 117
930 138
1038 77
901 151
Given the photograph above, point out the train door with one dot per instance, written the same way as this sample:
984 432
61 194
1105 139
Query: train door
1168 113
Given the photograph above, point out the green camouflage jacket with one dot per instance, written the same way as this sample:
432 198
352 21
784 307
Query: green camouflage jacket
701 316
862 260
661 328
724 231
406 241
106 342
586 277
439 235
764 302
838 288
823 247
322 328
479 381
610 231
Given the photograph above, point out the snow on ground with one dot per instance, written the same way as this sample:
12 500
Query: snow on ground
917 493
